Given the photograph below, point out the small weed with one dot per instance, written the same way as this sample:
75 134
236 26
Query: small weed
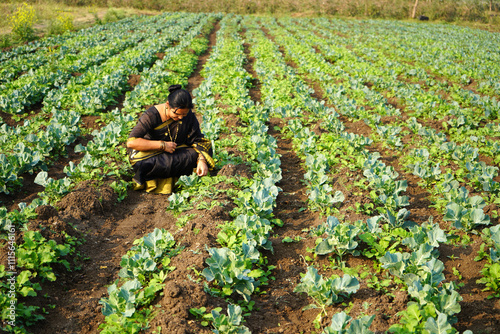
183 220
457 273
297 238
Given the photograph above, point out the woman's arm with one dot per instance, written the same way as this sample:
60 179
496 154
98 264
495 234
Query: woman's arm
149 120
141 144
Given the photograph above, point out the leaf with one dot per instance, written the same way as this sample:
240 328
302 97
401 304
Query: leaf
27 291
373 224
256 273
23 277
395 263
340 321
338 197
449 303
346 284
453 212
479 218
42 178
360 326
439 326
310 307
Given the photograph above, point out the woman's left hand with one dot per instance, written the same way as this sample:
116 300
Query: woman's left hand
202 168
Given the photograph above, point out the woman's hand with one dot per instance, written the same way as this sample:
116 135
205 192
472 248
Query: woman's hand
202 168
170 146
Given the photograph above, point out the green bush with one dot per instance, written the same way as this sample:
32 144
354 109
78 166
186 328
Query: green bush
113 15
62 23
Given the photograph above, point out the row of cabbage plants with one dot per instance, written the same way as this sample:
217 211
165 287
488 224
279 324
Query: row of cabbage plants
26 149
238 268
145 267
272 68
324 292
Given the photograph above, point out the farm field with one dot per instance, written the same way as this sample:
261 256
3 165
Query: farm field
356 183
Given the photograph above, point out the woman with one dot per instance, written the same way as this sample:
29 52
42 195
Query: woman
167 143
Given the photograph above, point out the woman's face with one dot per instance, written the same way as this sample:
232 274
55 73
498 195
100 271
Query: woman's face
177 113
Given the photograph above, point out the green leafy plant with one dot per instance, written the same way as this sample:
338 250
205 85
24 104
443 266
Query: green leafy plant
341 321
325 292
341 238
491 279
465 212
288 239
202 314
144 268
38 254
230 323
232 271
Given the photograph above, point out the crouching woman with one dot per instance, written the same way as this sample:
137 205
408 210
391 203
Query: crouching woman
166 143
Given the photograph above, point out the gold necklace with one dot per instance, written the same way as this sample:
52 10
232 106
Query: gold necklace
176 132
168 127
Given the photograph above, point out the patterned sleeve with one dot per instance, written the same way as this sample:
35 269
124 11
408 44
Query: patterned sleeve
201 144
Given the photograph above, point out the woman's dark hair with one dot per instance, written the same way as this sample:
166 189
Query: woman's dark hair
179 98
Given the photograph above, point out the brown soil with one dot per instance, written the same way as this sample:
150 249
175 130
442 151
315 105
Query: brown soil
134 79
196 79
7 119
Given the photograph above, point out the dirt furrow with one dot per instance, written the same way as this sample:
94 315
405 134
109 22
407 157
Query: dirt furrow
279 308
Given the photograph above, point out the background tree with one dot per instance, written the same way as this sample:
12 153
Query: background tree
414 9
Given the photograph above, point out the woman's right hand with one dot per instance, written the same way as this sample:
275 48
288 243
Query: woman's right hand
170 146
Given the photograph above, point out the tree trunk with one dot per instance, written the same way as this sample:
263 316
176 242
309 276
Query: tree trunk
414 9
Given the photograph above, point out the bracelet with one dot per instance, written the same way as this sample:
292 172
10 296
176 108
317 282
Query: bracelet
201 158
162 145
